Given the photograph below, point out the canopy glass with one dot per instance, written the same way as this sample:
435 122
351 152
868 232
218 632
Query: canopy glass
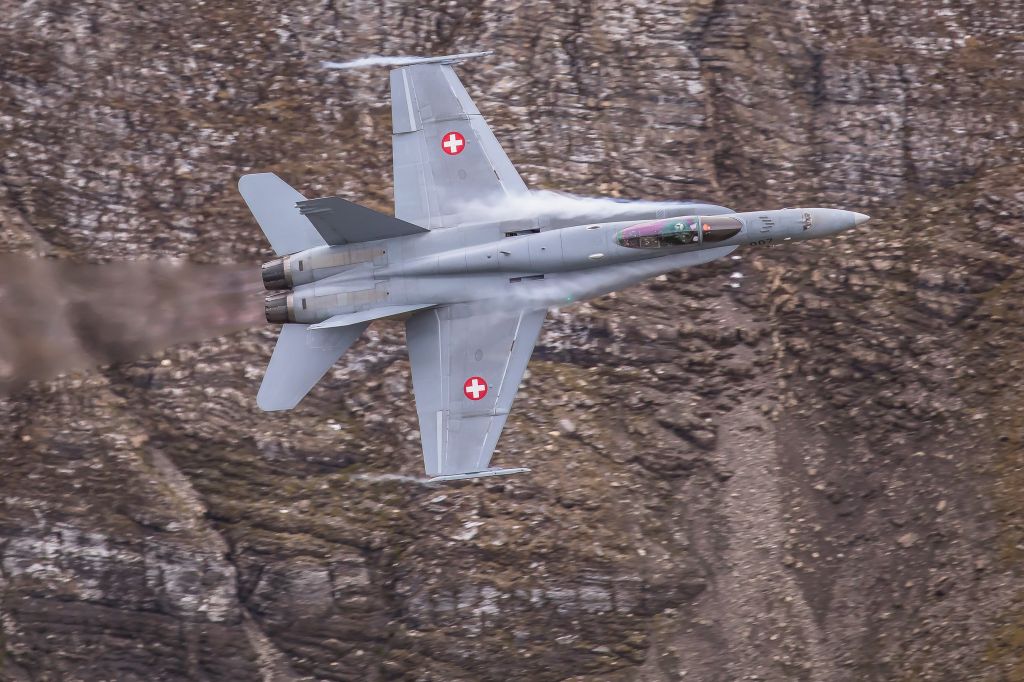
658 234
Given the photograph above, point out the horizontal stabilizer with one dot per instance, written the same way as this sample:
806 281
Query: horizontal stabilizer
368 315
300 358
272 202
342 222
496 471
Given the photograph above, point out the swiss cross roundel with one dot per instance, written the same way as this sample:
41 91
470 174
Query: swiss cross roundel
453 143
475 388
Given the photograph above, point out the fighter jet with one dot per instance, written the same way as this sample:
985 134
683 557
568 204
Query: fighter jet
473 293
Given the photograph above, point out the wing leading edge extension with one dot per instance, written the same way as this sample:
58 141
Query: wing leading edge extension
445 155
466 370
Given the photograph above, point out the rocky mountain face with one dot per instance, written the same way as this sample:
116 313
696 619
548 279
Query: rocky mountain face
801 463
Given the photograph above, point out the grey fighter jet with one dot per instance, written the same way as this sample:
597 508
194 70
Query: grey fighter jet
473 293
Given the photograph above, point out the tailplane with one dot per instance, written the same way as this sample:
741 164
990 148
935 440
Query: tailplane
300 358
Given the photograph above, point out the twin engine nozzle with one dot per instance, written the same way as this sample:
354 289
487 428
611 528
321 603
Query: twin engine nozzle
276 280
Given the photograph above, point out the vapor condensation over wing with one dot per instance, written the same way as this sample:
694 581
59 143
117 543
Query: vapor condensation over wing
554 205
57 316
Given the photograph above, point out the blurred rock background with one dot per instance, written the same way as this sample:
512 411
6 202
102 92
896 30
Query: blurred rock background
799 464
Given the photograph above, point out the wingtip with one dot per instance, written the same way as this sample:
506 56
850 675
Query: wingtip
448 58
397 62
486 473
459 58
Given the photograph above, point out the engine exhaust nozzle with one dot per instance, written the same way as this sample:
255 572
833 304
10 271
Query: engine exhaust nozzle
277 307
275 274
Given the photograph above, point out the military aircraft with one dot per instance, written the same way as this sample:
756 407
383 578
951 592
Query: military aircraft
473 293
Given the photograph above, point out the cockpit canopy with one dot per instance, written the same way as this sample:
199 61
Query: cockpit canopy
658 234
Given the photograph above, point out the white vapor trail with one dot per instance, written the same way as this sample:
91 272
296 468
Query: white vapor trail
372 60
539 203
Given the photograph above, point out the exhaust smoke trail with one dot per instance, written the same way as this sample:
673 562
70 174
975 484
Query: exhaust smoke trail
57 316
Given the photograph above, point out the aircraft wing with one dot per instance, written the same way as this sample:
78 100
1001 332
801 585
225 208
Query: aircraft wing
445 155
466 369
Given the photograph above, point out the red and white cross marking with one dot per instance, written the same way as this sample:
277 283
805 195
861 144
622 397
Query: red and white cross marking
453 143
475 388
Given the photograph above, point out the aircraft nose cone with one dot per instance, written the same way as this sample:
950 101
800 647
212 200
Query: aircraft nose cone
825 222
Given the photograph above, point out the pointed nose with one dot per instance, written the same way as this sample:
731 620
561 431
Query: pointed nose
824 222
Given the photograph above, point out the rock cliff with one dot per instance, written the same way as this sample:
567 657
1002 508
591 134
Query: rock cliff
802 463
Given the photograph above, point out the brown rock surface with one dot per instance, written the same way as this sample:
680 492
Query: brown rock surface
815 475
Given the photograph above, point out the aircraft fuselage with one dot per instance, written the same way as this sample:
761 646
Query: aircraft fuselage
495 265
